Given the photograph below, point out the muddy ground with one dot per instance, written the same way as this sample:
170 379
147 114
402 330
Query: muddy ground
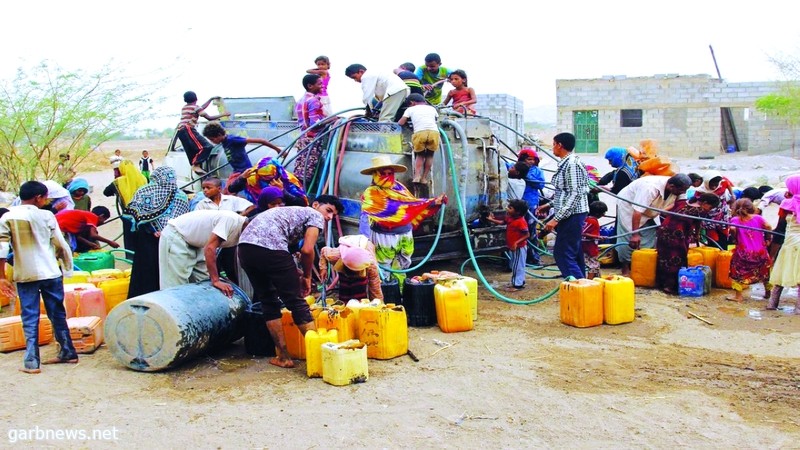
520 379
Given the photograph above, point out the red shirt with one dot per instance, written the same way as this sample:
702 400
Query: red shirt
75 221
516 229
589 245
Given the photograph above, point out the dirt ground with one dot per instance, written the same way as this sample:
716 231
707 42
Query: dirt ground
520 379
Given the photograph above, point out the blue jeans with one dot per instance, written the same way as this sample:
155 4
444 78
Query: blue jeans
52 292
567 250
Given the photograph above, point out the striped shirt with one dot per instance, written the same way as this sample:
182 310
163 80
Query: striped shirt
190 113
571 183
309 111
36 240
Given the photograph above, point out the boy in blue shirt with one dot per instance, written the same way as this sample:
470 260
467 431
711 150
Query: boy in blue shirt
234 146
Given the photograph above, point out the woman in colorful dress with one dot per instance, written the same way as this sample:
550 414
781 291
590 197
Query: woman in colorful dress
393 213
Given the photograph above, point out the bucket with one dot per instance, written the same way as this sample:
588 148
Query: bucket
391 292
419 303
160 330
731 149
257 339
344 363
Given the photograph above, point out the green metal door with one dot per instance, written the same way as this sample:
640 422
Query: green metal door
585 125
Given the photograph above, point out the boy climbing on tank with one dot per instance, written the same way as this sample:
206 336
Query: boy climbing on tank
426 135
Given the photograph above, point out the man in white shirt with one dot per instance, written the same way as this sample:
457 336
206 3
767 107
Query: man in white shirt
383 87
656 191
187 249
215 201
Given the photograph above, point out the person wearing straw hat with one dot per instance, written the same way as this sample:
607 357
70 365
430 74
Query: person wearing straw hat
393 213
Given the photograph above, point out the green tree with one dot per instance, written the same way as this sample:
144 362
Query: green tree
51 119
784 104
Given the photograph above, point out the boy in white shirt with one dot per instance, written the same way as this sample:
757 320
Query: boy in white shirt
426 135
215 200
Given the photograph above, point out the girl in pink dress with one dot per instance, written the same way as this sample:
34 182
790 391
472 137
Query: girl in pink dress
464 98
323 70
750 263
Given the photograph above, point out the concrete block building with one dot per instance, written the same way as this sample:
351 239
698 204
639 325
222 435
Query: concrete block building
506 109
687 115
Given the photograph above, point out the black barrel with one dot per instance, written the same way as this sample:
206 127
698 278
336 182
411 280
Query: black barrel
419 303
391 292
257 340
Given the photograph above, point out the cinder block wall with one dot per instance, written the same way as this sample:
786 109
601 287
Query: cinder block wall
506 109
682 112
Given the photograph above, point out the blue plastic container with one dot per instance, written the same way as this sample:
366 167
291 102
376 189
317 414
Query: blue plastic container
691 281
731 149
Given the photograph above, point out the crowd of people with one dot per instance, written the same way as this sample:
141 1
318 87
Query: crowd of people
261 224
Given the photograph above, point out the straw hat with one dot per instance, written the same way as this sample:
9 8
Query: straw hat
381 161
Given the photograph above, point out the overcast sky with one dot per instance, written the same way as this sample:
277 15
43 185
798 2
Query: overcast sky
248 48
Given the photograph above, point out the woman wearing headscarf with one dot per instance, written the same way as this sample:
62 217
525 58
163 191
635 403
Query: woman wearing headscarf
150 208
269 172
393 213
624 169
786 270
124 187
58 196
79 190
720 186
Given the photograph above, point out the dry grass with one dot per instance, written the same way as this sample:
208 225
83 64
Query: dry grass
132 150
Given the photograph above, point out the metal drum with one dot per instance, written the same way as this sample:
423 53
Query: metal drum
160 330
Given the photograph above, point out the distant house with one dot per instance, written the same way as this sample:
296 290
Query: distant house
687 115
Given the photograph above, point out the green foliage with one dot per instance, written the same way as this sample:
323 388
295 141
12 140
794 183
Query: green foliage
46 112
785 104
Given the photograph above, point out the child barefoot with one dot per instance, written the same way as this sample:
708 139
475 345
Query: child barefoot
516 239
426 135
750 263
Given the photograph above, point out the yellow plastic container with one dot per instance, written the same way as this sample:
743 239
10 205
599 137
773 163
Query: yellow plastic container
472 296
127 273
618 299
722 276
453 312
108 273
609 258
340 318
385 331
710 258
581 303
78 276
314 340
295 343
115 291
694 257
344 363
643 267
13 338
